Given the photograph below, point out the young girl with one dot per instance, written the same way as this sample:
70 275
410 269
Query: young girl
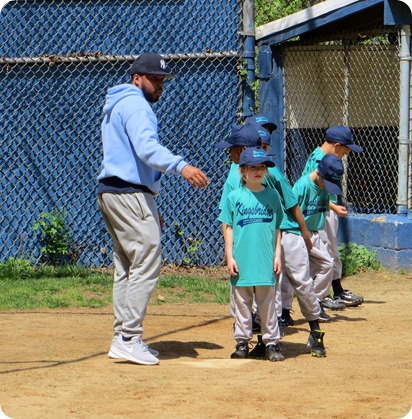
251 216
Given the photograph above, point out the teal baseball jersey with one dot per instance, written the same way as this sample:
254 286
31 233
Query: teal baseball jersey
254 217
313 201
312 164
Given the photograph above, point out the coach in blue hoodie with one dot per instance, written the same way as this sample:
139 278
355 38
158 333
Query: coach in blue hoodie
133 162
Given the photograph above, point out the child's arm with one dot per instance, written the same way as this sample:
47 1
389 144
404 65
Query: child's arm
298 216
277 264
228 237
339 209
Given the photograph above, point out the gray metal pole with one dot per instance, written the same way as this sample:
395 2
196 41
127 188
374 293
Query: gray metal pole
404 117
248 54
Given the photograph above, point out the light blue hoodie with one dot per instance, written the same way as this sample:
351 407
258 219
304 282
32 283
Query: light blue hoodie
131 148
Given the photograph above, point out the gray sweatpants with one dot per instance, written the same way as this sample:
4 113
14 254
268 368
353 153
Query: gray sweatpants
133 223
329 236
296 262
241 300
296 276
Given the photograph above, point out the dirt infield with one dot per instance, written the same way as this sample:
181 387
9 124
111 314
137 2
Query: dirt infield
54 364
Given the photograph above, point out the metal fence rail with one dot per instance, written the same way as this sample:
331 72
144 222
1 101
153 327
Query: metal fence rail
57 60
348 82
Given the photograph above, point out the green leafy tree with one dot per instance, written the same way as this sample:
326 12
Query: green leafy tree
267 10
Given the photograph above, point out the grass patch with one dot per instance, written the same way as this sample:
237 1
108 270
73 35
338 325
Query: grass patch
192 289
27 287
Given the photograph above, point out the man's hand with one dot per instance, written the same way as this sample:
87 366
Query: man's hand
194 176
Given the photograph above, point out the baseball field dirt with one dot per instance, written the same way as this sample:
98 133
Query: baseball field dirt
54 363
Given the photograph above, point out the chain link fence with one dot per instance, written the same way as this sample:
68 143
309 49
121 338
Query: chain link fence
57 60
349 81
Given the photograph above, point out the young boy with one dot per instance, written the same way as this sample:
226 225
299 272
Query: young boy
251 216
339 142
313 193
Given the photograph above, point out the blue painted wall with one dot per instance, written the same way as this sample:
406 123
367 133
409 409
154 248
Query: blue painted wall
389 235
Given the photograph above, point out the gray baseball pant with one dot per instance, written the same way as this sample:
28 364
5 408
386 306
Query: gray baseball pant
241 300
296 276
320 266
329 236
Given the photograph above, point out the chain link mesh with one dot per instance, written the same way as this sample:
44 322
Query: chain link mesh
347 82
57 60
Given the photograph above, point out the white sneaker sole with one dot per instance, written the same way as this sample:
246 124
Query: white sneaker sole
152 351
118 355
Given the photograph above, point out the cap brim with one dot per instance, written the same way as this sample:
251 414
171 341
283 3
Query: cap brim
166 75
271 126
332 188
223 144
355 148
268 163
159 73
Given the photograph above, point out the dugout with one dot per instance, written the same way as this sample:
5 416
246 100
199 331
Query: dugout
347 62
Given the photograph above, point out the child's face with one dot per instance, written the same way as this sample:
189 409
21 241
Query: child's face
340 150
253 175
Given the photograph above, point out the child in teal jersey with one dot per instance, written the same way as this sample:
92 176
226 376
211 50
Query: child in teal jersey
313 193
251 216
274 179
339 142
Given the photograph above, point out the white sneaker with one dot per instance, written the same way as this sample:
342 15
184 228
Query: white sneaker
135 351
151 350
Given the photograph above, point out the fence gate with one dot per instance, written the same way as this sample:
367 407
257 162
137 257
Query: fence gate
348 82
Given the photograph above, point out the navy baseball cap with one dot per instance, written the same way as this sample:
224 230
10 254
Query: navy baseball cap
264 135
253 156
242 135
150 63
343 135
262 121
331 169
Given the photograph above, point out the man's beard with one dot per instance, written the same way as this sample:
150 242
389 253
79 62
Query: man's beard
152 97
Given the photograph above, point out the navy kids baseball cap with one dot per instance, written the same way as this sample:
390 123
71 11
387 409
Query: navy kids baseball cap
262 121
342 135
253 156
331 170
150 63
264 135
243 135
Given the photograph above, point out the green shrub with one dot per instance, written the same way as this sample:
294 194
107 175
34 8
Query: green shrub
16 269
357 258
55 237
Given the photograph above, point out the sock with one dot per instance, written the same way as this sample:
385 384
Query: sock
314 325
126 339
337 287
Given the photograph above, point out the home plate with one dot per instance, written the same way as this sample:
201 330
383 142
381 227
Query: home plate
219 363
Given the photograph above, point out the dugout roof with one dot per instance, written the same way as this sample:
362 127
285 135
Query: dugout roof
322 19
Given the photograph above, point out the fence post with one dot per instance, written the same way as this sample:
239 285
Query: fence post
404 115
248 33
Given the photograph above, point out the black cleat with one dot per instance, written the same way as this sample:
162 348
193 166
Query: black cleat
273 353
285 319
315 343
259 351
241 352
